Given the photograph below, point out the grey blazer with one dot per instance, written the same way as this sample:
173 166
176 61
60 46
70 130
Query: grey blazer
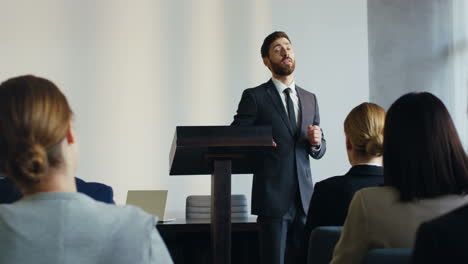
276 182
69 228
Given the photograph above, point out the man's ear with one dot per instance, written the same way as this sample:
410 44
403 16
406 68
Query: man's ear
349 146
267 62
70 134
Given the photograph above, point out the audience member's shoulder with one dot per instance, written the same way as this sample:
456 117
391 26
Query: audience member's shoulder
380 194
452 218
120 209
112 211
330 182
381 190
133 210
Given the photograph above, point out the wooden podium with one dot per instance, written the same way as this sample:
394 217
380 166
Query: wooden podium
219 151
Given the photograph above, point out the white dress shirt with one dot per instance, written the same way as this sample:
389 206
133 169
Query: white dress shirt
294 98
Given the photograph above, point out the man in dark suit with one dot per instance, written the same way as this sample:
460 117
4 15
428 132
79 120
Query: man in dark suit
443 240
283 186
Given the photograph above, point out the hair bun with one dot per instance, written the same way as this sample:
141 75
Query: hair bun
374 146
29 162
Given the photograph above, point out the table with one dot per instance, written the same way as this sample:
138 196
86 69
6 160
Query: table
188 240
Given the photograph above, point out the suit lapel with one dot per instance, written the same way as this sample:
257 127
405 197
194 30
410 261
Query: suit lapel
276 99
304 105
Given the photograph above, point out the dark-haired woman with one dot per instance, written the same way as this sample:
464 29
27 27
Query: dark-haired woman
53 223
425 173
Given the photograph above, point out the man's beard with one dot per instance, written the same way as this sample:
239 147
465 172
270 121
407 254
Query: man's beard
283 69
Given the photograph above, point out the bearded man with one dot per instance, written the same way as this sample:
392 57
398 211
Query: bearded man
282 185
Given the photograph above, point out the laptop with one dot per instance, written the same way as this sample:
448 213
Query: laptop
151 201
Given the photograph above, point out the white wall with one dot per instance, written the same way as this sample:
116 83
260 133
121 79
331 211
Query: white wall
133 70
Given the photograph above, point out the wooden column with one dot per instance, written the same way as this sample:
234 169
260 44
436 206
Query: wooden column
221 212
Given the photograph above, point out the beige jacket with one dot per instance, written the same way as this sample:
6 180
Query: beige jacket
377 219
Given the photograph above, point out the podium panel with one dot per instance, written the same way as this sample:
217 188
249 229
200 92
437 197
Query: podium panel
195 147
219 151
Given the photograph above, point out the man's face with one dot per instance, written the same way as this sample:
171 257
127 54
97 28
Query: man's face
281 60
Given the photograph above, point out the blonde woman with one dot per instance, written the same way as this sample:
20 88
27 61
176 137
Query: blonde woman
363 128
53 223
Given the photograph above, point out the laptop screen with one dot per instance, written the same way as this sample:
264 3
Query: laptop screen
151 201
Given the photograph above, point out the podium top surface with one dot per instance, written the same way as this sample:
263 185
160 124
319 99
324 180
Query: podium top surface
194 148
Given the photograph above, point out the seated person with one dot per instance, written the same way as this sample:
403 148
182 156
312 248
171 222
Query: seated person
363 129
97 191
425 176
444 239
52 223
9 193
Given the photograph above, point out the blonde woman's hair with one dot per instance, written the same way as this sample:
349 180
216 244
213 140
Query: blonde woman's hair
34 118
364 127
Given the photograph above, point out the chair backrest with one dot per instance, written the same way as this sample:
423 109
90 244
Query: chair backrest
388 256
321 244
324 238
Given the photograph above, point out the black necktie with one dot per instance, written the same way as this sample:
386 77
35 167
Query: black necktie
290 106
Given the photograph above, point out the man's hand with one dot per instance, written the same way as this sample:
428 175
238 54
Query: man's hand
314 133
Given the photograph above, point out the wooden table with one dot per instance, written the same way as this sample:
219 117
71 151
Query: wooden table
188 241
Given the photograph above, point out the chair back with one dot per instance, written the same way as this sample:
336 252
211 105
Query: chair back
388 256
321 244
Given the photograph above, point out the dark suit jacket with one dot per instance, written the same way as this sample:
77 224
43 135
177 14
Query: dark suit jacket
443 239
98 191
331 198
275 184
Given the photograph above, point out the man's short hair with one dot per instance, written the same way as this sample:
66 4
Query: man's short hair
265 49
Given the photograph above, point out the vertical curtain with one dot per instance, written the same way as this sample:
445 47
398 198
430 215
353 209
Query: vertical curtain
459 54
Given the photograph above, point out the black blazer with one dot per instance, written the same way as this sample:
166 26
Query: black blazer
331 198
9 193
443 239
285 169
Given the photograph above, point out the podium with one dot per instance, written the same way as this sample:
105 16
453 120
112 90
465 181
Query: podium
219 151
